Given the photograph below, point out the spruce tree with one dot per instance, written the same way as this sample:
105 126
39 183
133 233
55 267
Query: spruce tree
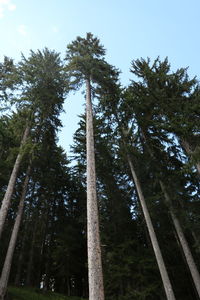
86 64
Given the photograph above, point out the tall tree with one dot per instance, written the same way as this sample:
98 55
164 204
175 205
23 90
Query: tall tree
122 121
42 96
155 100
183 242
86 64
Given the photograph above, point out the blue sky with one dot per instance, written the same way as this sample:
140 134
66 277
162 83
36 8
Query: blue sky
128 29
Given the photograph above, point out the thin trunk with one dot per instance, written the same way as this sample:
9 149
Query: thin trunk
23 242
20 260
42 253
31 254
47 264
183 241
68 287
154 241
10 188
9 256
196 239
96 289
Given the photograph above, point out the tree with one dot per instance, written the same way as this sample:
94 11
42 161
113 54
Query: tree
43 95
155 100
126 148
183 242
43 89
9 80
86 64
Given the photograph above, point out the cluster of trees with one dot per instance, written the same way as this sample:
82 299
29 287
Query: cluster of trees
144 140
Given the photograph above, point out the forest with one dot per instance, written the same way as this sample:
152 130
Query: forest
117 219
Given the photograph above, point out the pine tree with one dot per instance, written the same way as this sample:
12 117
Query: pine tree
42 97
86 64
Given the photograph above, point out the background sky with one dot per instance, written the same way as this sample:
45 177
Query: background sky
128 29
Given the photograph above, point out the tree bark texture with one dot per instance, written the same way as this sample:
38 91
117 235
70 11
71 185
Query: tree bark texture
10 188
8 260
161 265
95 273
183 242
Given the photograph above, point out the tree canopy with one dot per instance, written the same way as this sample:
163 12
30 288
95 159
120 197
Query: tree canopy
145 142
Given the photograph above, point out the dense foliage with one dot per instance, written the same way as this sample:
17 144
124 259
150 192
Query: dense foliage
154 122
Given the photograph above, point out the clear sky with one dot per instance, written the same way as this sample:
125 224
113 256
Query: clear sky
129 29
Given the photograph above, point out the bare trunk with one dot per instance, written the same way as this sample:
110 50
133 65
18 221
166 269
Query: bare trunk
7 198
8 261
68 287
154 241
183 241
196 239
31 254
96 289
20 261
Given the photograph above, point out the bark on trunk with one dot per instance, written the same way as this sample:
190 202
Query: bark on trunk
96 289
8 261
161 265
183 242
7 198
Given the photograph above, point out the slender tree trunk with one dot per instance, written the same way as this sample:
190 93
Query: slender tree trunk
23 243
68 287
47 264
31 254
20 260
96 289
8 261
7 198
183 242
163 271
196 239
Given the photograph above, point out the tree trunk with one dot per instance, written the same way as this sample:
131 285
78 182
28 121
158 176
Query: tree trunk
23 242
31 254
183 241
68 287
154 241
10 188
20 260
8 261
95 273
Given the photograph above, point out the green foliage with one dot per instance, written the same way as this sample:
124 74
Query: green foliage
155 120
85 60
9 80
